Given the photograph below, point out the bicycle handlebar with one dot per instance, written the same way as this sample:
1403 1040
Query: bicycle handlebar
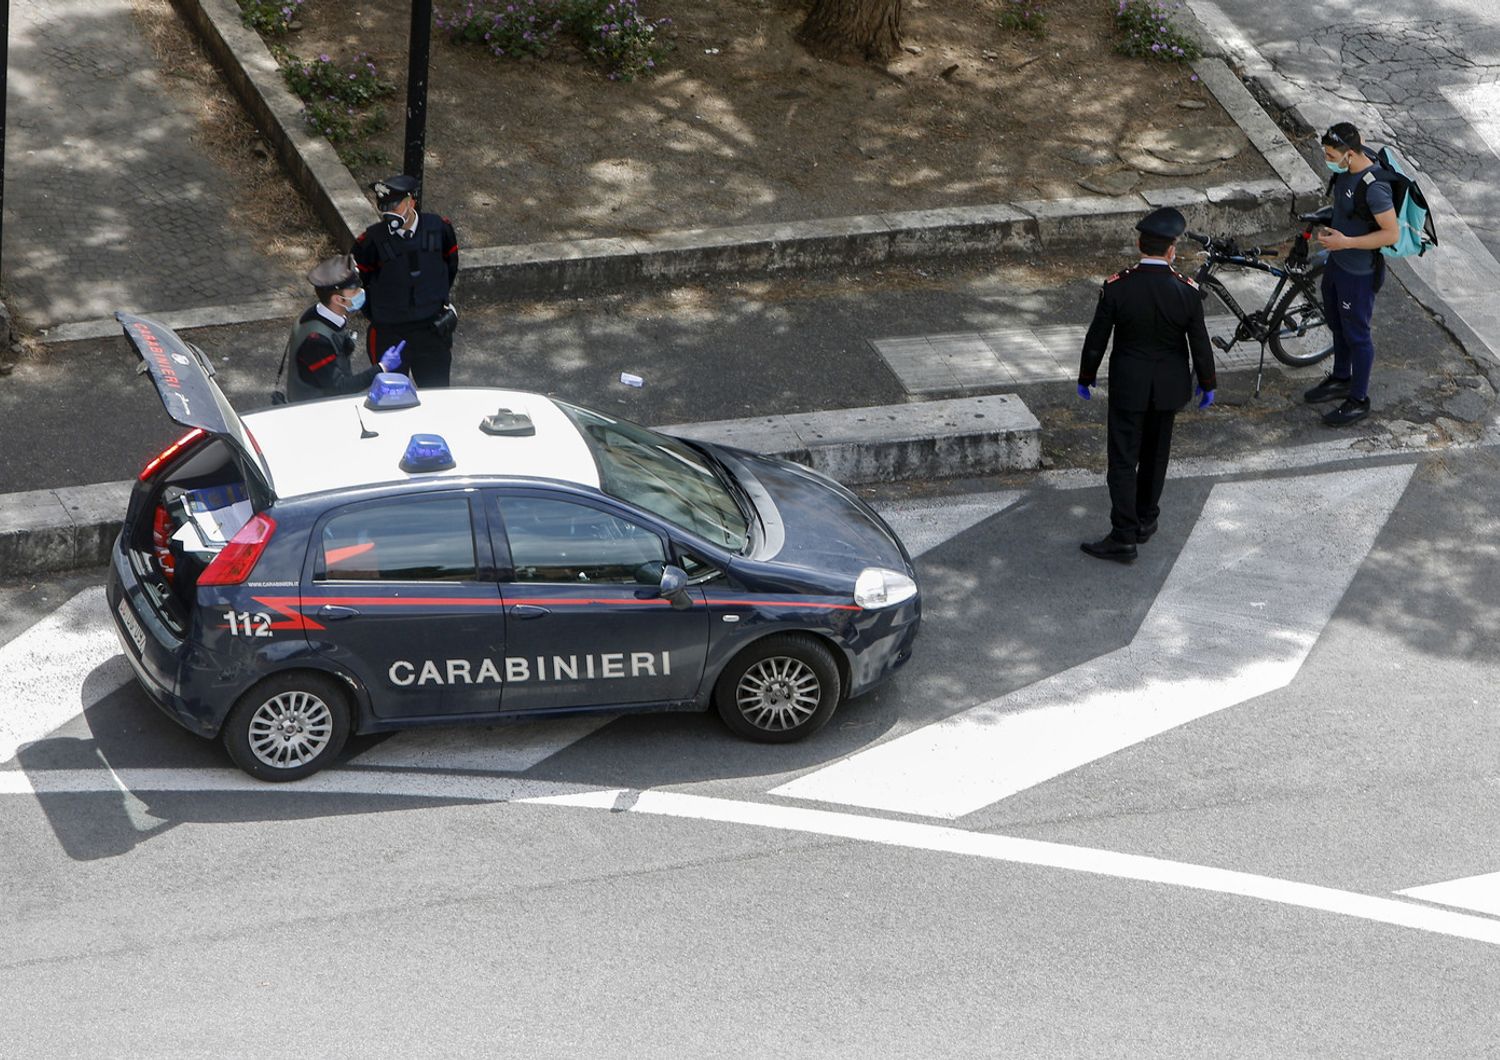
1224 247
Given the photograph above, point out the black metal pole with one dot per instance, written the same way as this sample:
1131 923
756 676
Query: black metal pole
4 86
418 46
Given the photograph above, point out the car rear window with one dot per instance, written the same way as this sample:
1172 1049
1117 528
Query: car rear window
412 539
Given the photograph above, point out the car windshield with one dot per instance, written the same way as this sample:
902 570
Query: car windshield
662 475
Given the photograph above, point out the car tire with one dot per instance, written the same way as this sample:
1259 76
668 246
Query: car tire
288 727
780 689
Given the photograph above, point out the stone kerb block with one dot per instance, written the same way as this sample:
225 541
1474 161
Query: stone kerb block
930 439
545 268
962 230
97 513
1093 221
36 533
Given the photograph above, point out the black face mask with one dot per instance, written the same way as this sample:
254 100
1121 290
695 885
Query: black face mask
394 222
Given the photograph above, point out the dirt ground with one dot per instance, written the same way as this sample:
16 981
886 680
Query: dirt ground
743 125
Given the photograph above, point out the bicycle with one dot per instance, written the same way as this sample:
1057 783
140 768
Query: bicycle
1292 321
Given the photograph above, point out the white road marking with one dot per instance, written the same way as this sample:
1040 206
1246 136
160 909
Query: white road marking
905 834
56 669
1260 576
943 839
923 525
511 748
1480 893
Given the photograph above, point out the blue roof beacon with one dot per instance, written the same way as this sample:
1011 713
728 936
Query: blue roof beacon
392 390
427 452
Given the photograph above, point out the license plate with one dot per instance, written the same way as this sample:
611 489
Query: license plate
131 625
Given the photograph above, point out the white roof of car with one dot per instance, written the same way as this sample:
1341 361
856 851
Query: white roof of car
316 445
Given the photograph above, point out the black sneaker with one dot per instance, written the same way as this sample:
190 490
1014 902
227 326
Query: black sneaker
1329 389
1351 411
1109 548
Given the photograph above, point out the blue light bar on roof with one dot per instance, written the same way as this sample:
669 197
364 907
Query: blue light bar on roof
427 452
392 390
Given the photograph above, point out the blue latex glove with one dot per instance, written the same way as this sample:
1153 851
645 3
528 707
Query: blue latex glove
1206 398
1083 392
390 360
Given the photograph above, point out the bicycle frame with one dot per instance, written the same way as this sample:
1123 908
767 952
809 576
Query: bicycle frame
1258 323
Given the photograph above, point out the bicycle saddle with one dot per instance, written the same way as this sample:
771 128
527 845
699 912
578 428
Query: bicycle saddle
1322 216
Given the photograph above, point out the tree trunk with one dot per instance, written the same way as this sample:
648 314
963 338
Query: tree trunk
863 29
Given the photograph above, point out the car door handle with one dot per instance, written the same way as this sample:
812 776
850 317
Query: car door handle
529 611
334 612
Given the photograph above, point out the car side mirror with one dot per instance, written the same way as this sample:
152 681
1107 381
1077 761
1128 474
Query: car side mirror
673 587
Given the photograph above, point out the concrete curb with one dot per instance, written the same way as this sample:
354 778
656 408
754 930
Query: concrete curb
54 530
532 269
180 320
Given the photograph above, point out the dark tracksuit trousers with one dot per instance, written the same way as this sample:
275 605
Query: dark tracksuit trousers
1349 303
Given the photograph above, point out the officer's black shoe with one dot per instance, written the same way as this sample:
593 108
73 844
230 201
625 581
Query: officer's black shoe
1351 411
1329 389
1145 532
1110 548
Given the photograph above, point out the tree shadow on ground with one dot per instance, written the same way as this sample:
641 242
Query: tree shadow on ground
109 201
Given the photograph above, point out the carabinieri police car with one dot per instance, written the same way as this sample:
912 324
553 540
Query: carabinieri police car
377 562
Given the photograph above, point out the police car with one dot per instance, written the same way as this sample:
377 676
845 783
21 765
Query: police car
396 559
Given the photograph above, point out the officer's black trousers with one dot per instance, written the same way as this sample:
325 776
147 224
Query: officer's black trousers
1139 445
427 357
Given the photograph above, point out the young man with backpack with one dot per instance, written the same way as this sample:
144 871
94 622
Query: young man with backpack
1364 221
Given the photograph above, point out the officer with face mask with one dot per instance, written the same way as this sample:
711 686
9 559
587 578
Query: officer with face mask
409 261
318 351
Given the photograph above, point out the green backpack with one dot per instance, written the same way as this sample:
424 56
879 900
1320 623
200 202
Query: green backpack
1412 215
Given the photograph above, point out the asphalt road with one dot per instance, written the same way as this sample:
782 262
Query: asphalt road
729 350
1226 886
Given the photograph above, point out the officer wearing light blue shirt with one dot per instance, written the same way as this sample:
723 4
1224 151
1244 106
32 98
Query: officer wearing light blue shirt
1364 220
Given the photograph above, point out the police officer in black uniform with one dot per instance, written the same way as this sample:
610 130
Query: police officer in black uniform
318 350
1160 343
409 261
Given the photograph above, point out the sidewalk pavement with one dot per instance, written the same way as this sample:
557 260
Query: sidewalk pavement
109 202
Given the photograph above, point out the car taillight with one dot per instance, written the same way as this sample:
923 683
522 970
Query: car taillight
237 559
166 455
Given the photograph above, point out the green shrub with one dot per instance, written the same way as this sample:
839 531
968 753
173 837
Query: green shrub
270 16
340 100
1027 16
612 32
1149 32
354 84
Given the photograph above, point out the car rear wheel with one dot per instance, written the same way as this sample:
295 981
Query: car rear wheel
779 689
288 727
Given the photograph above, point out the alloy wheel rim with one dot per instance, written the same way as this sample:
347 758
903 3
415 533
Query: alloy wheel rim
290 729
778 694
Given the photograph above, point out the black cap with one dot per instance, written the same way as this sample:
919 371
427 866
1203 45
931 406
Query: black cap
334 274
392 190
1165 222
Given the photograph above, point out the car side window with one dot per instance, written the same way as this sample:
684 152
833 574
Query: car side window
413 539
560 541
697 570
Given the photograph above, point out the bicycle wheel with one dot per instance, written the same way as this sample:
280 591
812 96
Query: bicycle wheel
1299 332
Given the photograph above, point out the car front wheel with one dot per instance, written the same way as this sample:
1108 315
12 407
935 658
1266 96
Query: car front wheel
288 727
779 689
